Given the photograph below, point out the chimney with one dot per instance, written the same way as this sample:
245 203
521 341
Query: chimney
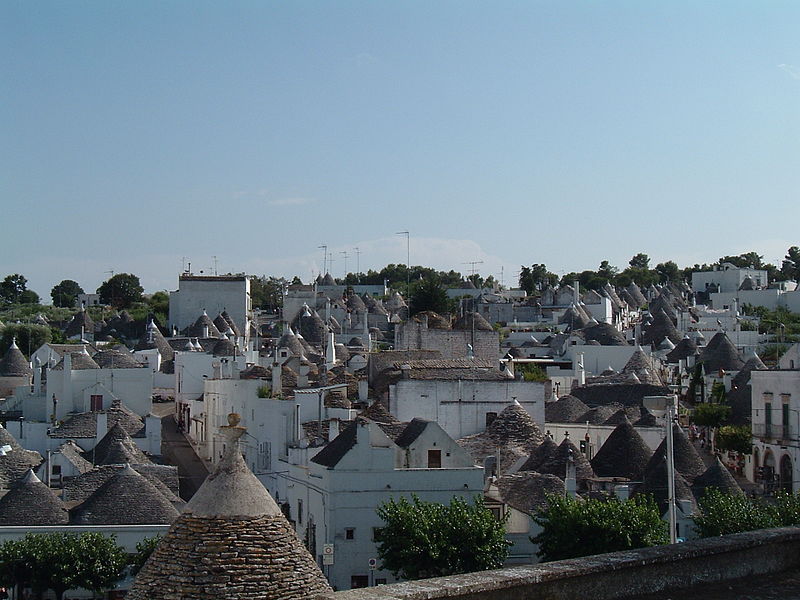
216 368
302 376
330 351
363 390
276 380
333 429
570 483
66 388
580 371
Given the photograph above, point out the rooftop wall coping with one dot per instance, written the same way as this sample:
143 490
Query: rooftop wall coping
521 576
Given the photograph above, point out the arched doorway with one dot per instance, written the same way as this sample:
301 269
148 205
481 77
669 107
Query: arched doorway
769 472
786 473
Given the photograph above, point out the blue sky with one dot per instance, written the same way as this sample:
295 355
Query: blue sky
138 133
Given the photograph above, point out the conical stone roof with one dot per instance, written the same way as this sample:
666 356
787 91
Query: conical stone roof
716 476
114 359
624 454
556 462
30 502
687 461
16 461
636 294
14 363
289 340
661 327
567 409
231 526
311 327
127 498
604 333
655 483
198 329
742 378
720 353
642 366
682 350
573 319
513 431
81 323
231 323
465 322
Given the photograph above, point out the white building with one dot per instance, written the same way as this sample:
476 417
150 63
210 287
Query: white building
459 395
333 500
776 423
727 278
211 293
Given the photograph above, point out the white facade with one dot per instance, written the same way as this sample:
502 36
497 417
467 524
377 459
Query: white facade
213 294
776 427
337 505
728 278
463 406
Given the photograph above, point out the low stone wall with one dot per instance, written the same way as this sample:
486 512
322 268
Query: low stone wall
613 575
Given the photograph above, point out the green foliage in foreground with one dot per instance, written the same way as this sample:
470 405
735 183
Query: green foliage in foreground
722 514
427 539
61 562
572 527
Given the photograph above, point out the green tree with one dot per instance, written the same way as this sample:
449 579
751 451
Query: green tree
429 294
29 337
267 292
668 272
63 561
735 438
536 277
12 287
709 414
640 261
722 514
144 549
426 539
607 271
65 294
791 263
573 527
121 290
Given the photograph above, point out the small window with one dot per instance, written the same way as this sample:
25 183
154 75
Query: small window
490 417
434 459
96 401
300 512
380 581
56 469
375 532
350 533
359 581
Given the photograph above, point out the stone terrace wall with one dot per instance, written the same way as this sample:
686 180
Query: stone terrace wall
614 575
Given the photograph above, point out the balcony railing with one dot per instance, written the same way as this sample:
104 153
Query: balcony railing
772 431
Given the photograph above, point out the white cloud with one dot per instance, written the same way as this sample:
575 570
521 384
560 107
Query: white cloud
793 71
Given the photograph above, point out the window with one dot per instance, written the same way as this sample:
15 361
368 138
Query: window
785 419
359 581
490 417
96 402
375 532
434 459
380 581
349 533
56 470
768 418
300 512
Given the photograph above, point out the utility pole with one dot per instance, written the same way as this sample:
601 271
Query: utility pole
344 254
358 264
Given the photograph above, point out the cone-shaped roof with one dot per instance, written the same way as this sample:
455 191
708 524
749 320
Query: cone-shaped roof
289 340
378 412
624 454
717 476
465 322
311 327
527 491
539 455
395 302
198 329
513 431
231 323
687 461
225 347
356 304
742 378
604 333
720 353
81 361
231 524
81 323
127 498
661 327
655 483
573 318
115 359
642 365
435 320
14 363
30 502
683 349
636 294
567 409
16 461
556 461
